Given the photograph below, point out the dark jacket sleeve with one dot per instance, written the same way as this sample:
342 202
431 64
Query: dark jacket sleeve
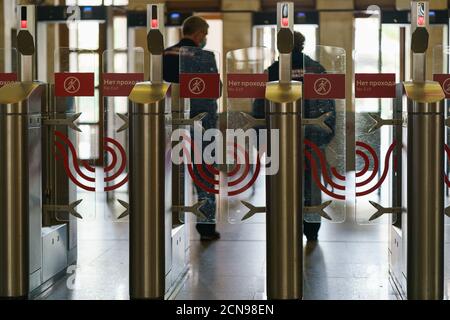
274 71
171 65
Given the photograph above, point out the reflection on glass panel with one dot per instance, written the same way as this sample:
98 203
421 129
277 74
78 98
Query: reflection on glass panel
73 34
89 108
88 35
309 31
88 142
120 106
120 62
90 2
73 63
390 39
367 59
173 35
367 43
88 62
96 2
266 36
120 32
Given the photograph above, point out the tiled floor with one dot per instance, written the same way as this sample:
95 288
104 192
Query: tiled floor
334 268
230 268
348 262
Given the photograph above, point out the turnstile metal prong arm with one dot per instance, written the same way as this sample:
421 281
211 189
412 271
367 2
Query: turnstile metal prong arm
252 122
447 211
320 122
127 209
126 121
382 210
70 208
70 122
195 209
447 122
252 210
190 122
379 122
320 209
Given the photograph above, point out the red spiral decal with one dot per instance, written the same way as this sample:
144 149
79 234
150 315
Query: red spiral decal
447 151
82 176
209 176
383 175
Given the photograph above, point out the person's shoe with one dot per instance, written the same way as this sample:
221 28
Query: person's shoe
210 237
311 237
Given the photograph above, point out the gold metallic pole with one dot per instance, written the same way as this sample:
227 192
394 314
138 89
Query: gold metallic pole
425 172
20 168
150 172
284 189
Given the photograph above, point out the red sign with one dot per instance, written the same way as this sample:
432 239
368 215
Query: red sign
375 85
245 85
444 80
74 84
120 84
6 78
200 85
324 86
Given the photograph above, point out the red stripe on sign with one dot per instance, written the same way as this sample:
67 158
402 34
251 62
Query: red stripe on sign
200 85
375 85
120 84
324 86
74 84
245 85
6 78
444 81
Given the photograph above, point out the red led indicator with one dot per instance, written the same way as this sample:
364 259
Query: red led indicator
285 22
154 23
23 24
420 21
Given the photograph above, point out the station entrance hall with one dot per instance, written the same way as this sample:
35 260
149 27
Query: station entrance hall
253 151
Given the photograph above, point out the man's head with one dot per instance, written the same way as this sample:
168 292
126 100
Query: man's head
196 29
299 41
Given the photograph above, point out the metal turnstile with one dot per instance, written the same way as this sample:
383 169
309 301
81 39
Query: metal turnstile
37 240
20 170
424 171
150 174
284 206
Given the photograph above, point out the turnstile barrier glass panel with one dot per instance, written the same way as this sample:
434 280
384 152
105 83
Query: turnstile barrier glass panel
246 135
378 142
122 69
74 139
325 187
441 73
197 139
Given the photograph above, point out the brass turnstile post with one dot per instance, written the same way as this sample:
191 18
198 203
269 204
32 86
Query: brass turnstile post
284 189
425 170
20 168
150 172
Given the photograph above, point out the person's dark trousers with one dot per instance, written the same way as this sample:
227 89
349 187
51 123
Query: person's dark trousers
205 227
311 222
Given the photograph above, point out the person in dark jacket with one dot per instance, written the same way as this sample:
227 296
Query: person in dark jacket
195 31
302 63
